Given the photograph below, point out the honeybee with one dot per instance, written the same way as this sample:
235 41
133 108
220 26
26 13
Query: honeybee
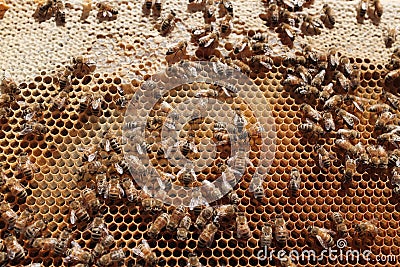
379 108
132 194
233 198
25 218
347 146
342 81
307 90
35 229
114 190
266 235
209 41
378 8
310 112
176 216
341 227
395 180
34 127
60 12
64 80
78 212
160 222
45 244
323 236
106 11
242 227
15 251
116 255
45 11
383 120
210 192
209 12
394 158
393 100
150 204
167 23
78 255
311 127
144 251
324 158
186 176
110 141
183 228
157 7
194 261
257 187
334 101
207 235
200 31
328 16
345 66
329 123
379 157
59 102
295 180
333 58
225 7
204 217
32 111
311 26
390 37
97 228
286 261
292 80
101 247
272 16
261 61
25 166
361 152
362 8
366 230
9 87
177 50
347 117
81 66
348 134
147 5
8 215
224 214
310 54
226 25
281 232
288 32
16 188
90 200
63 242
291 59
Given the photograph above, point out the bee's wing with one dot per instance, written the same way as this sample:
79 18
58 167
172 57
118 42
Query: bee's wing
138 252
107 145
119 169
72 217
91 157
322 242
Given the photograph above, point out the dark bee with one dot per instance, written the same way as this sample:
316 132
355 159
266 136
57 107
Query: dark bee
60 12
45 11
167 23
35 229
14 249
328 16
63 242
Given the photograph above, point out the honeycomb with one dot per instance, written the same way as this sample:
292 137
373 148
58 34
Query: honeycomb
126 59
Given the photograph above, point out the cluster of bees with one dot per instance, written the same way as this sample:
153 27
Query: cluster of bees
48 8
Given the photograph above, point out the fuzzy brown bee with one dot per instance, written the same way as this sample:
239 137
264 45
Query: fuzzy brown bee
207 235
328 16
